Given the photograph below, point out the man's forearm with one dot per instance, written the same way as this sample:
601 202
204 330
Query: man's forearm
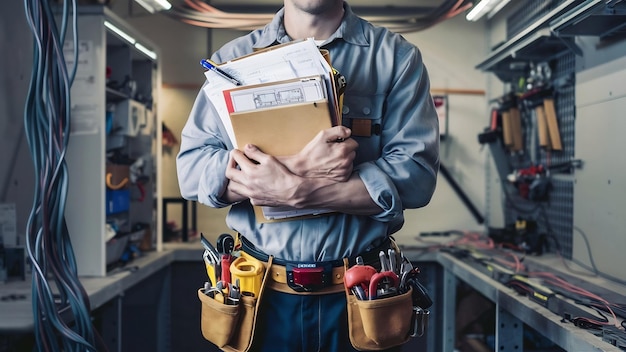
231 197
347 197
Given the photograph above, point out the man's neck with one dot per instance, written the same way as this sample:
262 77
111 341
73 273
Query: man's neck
301 24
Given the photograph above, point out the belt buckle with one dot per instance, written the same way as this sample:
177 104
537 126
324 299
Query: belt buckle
308 277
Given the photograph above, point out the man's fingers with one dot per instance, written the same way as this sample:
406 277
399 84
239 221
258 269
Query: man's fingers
254 153
231 168
237 162
232 163
242 159
337 134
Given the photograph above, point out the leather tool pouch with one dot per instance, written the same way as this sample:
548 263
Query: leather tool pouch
231 327
381 323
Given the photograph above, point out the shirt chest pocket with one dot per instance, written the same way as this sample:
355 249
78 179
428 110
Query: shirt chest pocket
363 115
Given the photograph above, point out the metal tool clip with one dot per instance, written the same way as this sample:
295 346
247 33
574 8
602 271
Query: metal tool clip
420 321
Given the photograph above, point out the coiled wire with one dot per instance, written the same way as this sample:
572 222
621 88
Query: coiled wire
60 304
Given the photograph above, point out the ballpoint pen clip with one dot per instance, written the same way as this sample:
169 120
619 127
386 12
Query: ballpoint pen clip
206 64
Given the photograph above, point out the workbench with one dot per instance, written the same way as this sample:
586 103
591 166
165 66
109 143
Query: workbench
512 309
152 303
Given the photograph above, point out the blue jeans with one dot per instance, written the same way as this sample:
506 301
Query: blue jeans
302 323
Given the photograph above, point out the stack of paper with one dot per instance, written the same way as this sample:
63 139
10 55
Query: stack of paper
288 94
275 64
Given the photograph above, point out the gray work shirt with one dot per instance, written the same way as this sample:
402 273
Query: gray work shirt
388 89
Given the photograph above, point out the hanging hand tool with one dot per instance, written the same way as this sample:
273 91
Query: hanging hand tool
420 294
210 267
357 278
541 102
211 259
420 321
393 264
405 265
225 243
234 293
511 123
214 254
383 284
385 265
225 263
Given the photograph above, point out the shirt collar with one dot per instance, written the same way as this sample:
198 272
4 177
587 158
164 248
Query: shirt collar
350 30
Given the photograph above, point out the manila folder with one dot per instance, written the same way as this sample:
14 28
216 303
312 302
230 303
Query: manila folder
281 130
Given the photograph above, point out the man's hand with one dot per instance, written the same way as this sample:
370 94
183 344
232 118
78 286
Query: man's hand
329 155
263 179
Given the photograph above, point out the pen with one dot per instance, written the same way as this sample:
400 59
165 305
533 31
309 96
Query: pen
210 65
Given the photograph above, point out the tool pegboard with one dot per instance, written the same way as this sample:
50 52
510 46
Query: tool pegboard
558 219
552 213
550 210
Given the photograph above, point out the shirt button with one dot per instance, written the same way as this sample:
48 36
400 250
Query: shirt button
345 110
366 110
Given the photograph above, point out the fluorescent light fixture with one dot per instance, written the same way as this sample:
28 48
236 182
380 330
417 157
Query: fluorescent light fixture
482 8
119 32
165 5
149 53
153 6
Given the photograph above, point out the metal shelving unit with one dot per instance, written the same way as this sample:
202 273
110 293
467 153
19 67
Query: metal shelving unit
535 42
602 18
107 56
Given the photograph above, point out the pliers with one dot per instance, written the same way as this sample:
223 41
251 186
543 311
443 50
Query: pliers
389 279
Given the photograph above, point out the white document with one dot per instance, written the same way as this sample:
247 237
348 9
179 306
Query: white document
286 92
279 213
213 90
301 59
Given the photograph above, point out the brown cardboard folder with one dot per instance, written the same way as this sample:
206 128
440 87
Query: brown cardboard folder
282 130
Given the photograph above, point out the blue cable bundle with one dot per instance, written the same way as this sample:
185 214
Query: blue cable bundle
60 303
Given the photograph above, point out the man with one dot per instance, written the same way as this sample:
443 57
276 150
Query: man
382 161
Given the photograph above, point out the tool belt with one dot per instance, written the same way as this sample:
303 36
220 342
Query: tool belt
307 278
386 306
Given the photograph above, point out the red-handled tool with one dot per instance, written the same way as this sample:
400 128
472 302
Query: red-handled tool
226 261
359 276
384 278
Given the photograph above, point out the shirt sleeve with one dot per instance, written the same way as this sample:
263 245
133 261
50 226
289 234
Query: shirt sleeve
203 157
405 175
